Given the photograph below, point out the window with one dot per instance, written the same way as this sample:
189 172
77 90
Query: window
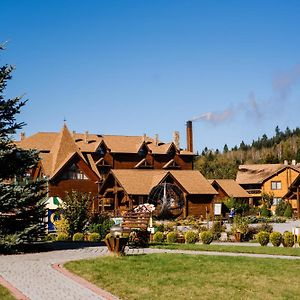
74 173
276 201
276 185
101 151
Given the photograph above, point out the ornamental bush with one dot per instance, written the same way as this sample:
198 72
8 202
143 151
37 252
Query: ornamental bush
158 237
216 229
276 238
263 238
78 237
94 237
288 213
172 237
191 237
288 239
265 212
206 237
50 237
62 237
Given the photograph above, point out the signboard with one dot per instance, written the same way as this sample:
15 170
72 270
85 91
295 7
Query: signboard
218 209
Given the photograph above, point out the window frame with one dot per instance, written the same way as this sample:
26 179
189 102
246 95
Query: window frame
276 185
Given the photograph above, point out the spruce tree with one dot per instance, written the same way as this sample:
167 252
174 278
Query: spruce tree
21 199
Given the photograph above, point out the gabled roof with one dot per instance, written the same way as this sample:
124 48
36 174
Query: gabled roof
257 174
57 149
63 148
140 182
193 182
292 188
87 142
231 188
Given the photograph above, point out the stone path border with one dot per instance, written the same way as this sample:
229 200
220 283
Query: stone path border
102 293
15 292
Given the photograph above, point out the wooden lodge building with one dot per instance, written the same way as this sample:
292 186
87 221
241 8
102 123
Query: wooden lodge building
118 171
229 188
272 179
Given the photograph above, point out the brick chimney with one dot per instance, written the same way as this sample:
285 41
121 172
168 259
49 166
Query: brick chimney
176 139
189 136
86 137
22 136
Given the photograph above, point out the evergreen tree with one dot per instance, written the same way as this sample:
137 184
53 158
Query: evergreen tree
76 210
21 208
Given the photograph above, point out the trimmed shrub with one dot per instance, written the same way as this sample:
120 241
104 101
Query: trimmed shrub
78 237
206 237
265 212
288 213
94 237
190 237
62 226
276 238
280 208
240 224
172 237
50 237
252 231
216 229
62 237
101 224
8 243
158 237
288 239
263 238
161 227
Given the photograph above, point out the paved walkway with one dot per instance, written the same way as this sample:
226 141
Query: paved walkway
34 276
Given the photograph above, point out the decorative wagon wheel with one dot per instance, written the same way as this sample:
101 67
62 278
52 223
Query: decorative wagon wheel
168 200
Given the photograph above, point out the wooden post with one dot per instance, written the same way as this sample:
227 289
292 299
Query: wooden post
130 202
185 210
116 202
298 203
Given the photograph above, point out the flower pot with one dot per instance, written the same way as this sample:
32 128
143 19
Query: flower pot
238 236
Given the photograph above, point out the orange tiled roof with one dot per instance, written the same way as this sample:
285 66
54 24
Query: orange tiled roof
57 148
140 182
43 141
258 173
231 188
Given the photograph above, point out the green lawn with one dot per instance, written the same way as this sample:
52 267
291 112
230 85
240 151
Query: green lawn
181 276
5 294
232 248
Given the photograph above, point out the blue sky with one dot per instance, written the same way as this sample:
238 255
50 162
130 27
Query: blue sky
134 67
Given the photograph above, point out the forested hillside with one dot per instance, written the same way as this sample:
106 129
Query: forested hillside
284 145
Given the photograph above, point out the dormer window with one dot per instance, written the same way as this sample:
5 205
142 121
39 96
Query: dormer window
143 151
171 152
101 151
74 173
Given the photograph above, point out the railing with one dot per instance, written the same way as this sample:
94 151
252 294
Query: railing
254 191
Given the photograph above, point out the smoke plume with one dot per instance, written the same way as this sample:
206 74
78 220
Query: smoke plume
253 107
